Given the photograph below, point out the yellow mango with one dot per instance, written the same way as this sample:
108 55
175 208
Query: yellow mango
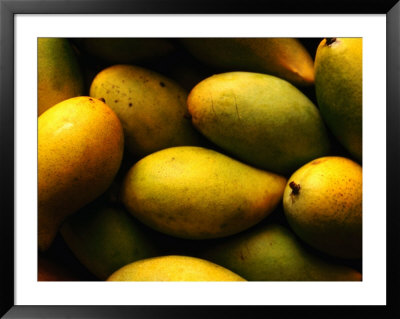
151 107
174 268
323 205
197 193
80 148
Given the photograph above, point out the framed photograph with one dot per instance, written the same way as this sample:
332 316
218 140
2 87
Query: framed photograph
58 281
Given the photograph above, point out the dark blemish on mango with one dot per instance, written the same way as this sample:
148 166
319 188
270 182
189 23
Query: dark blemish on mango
102 99
329 41
130 104
295 188
90 99
116 101
162 84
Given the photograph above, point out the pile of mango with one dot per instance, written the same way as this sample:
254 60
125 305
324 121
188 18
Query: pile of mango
200 159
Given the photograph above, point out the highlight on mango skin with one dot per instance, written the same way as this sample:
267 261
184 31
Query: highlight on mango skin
200 159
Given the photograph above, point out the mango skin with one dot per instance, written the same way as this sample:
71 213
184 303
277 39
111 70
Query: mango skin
151 107
338 87
125 50
59 74
259 119
105 238
173 268
271 252
285 58
326 210
80 148
197 193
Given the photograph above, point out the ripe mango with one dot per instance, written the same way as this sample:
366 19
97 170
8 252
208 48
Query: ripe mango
59 74
271 252
197 193
260 119
174 268
125 50
105 238
80 147
151 107
338 86
285 58
323 205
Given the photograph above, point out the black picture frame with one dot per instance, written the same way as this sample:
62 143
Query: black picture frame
8 10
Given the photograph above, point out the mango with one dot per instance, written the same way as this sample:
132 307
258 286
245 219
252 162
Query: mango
59 74
105 238
323 205
151 107
285 58
260 119
271 252
125 50
197 193
338 87
80 147
173 268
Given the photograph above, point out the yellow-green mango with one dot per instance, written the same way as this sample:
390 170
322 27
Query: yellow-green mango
323 205
152 108
260 119
80 148
59 74
174 268
105 238
197 193
271 252
338 86
285 58
125 50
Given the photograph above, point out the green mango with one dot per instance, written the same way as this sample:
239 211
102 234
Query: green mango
152 108
260 119
125 50
198 193
338 86
105 238
59 74
271 252
286 58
